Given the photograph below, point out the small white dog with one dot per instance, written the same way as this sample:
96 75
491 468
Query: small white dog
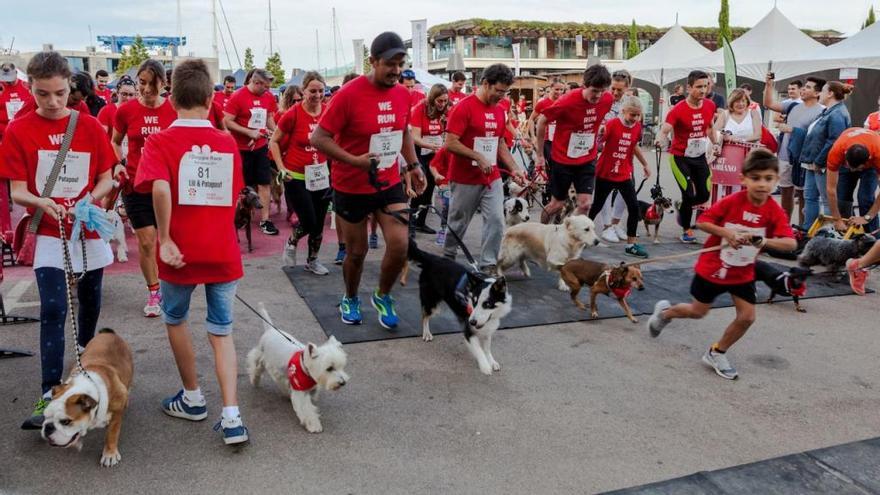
301 370
551 246
516 211
118 235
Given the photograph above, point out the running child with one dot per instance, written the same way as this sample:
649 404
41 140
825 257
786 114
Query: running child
614 171
194 173
746 222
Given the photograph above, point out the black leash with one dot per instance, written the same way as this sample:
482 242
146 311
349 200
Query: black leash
267 322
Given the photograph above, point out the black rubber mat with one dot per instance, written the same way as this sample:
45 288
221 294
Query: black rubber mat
852 468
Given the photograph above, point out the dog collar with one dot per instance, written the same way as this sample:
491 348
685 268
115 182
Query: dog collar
297 375
801 292
619 292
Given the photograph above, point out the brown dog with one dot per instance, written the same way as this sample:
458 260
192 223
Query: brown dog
248 202
602 279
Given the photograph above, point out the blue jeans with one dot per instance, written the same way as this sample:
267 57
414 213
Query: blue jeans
220 297
846 187
815 196
53 317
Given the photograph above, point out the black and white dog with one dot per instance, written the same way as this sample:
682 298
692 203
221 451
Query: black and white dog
477 300
516 211
792 282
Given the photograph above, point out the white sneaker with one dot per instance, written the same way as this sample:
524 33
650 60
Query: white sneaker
620 231
153 307
608 235
316 267
657 322
720 364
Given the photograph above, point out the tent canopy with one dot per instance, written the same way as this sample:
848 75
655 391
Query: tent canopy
858 51
671 50
426 79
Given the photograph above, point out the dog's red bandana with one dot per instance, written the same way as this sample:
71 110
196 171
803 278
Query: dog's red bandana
652 213
296 373
619 292
799 292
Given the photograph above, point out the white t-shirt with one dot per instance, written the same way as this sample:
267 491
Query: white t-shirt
47 254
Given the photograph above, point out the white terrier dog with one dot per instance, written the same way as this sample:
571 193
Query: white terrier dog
118 235
301 370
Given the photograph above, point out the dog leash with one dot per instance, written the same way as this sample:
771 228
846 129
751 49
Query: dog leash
71 280
677 256
267 322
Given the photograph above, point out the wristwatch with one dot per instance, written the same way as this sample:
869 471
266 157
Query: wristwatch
412 166
868 217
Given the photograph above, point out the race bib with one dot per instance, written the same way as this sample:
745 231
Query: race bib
12 107
551 131
696 147
487 147
74 175
433 141
745 255
205 178
580 144
386 146
258 118
317 177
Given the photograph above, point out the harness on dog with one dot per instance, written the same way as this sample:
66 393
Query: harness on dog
652 214
461 294
619 292
799 292
296 373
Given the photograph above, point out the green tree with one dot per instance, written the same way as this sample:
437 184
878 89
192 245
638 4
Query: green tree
133 56
248 59
633 46
724 23
870 20
273 65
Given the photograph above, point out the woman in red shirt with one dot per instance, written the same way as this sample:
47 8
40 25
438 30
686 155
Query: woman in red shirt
307 176
30 145
428 124
136 120
125 91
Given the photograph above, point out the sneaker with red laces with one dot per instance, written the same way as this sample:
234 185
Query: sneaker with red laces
153 308
857 276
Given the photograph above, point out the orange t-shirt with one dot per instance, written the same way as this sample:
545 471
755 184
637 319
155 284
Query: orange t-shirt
849 137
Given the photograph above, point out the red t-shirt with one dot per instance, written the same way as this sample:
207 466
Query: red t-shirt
221 97
13 98
106 117
852 136
419 118
416 97
27 153
470 119
30 106
250 111
689 123
456 96
737 266
357 111
215 114
616 160
137 121
203 230
575 116
544 104
298 126
521 106
441 162
106 95
505 105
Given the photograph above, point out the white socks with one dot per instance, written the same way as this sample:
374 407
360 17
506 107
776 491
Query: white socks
194 397
231 413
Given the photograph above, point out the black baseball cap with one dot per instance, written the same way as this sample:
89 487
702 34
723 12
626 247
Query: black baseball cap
386 46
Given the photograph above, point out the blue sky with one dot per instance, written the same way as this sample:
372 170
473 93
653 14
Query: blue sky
295 21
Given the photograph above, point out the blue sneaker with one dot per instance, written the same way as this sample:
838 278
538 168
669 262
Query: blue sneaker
340 256
687 237
178 407
350 310
234 431
385 306
374 241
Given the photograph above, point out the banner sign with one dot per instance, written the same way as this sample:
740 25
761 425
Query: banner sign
420 44
516 59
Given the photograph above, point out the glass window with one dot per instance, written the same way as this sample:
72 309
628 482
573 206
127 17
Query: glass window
643 45
443 48
605 49
468 46
528 47
565 48
76 63
494 47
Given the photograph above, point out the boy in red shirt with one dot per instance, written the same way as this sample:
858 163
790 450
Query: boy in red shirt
745 222
194 172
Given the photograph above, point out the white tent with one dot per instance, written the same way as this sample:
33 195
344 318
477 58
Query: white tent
671 50
426 79
861 50
773 38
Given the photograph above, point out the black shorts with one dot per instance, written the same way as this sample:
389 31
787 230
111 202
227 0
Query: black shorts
562 177
256 166
139 208
706 291
354 208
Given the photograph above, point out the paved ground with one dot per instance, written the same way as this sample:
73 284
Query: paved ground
578 408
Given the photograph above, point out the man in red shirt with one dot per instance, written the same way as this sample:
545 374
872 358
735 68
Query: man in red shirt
578 116
14 95
228 88
249 116
456 92
364 130
853 160
474 136
554 91
745 222
859 151
408 79
691 125
101 89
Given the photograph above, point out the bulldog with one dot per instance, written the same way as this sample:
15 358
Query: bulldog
94 399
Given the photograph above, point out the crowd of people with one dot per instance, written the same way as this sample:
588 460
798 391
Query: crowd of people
381 151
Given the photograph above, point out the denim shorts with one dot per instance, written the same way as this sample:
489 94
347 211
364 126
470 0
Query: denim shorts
220 298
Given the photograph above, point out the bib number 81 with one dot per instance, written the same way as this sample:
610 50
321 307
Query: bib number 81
204 173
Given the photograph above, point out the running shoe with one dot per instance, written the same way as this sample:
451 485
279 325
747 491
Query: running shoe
385 306
687 237
268 228
316 267
178 407
340 256
288 258
857 276
35 420
154 305
374 241
609 235
720 364
657 322
441 237
636 250
620 231
233 430
350 310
